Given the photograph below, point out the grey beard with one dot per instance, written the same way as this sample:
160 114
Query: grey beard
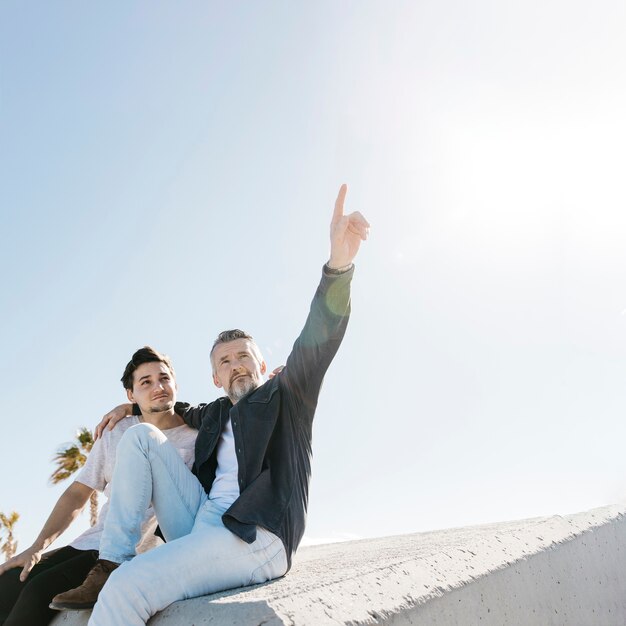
240 388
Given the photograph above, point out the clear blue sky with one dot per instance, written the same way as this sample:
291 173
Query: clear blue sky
167 172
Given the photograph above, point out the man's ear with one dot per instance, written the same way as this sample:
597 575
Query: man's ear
129 395
263 367
216 381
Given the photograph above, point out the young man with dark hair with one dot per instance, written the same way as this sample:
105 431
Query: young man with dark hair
30 580
238 519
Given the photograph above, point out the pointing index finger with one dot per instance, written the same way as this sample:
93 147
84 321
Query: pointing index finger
341 196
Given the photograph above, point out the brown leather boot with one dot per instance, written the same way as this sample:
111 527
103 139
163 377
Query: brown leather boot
85 596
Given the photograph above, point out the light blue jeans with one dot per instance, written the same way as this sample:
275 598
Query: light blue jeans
201 555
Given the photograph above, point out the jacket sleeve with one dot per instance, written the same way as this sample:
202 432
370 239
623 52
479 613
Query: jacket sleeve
317 344
193 415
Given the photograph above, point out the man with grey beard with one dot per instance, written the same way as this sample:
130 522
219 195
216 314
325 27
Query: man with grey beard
239 517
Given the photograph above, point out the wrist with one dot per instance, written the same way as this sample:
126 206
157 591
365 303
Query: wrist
337 267
39 545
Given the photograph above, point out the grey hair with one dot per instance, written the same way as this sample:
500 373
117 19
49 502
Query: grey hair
226 336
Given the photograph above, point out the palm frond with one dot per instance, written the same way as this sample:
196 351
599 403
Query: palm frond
8 521
85 438
70 459
9 547
93 508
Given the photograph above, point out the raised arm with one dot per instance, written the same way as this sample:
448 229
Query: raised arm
68 506
326 323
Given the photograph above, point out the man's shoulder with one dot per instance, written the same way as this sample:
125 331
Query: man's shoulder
112 436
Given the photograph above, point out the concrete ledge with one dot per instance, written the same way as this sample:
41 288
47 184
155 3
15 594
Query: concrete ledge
547 571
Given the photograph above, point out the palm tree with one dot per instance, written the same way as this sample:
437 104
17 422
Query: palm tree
9 547
70 459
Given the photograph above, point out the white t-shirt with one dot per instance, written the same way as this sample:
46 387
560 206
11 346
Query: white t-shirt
225 487
98 472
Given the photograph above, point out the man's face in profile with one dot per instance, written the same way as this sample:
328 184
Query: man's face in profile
154 388
237 367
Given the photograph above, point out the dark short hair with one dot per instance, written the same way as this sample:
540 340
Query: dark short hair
231 335
144 355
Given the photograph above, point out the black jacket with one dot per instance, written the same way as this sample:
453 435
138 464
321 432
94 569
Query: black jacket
272 426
